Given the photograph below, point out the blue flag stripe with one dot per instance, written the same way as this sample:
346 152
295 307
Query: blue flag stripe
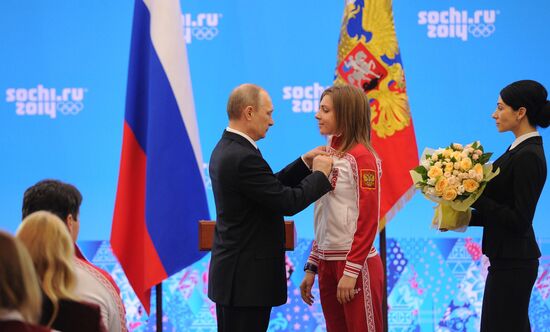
175 195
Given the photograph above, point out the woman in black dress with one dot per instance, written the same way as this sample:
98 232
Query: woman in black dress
506 208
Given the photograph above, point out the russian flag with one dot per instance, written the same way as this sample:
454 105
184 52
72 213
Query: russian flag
160 195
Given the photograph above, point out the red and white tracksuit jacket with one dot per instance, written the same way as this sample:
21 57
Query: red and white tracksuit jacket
346 225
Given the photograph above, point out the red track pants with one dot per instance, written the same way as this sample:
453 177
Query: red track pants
364 312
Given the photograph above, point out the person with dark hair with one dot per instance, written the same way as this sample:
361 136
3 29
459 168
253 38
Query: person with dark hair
61 199
247 270
350 271
92 283
506 208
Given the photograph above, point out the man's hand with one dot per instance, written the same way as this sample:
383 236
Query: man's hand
305 287
346 289
308 156
322 163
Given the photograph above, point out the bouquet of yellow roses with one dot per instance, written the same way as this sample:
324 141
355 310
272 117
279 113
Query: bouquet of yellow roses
453 177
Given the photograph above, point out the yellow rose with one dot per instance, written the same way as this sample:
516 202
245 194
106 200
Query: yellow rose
448 167
447 153
457 155
449 194
435 172
470 185
478 169
441 185
466 164
457 146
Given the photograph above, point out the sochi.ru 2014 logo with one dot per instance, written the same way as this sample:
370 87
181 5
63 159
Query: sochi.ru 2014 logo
46 101
203 26
455 23
305 99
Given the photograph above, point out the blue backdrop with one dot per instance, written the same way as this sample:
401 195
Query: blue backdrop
63 68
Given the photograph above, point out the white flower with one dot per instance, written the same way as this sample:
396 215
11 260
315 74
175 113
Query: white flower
460 189
457 165
453 180
425 163
457 146
431 182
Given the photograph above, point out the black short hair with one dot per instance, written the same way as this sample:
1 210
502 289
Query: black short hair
54 196
533 96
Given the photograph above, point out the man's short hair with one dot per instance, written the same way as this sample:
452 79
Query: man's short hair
54 196
241 97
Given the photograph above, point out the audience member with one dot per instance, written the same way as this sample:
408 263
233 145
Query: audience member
92 283
52 251
20 297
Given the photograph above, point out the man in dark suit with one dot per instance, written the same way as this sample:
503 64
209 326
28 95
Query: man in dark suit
247 269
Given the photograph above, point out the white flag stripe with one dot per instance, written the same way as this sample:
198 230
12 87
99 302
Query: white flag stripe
169 44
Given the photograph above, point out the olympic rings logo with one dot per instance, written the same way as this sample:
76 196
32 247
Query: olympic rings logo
70 107
481 29
204 33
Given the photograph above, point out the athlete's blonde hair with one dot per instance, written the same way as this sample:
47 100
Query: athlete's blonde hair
52 250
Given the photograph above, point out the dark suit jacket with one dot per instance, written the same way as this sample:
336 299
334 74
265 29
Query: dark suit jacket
247 267
507 206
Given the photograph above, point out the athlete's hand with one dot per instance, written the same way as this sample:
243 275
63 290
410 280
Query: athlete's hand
346 289
305 287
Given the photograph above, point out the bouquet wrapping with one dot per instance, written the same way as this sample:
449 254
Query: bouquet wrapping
453 177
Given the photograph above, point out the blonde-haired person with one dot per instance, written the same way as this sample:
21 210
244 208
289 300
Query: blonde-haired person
351 276
93 284
52 251
20 297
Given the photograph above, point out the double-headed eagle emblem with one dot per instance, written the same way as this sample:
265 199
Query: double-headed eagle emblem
369 57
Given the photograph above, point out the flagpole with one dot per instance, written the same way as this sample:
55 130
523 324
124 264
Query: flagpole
158 291
383 252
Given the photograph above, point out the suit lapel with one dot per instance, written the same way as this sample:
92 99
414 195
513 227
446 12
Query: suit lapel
502 159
